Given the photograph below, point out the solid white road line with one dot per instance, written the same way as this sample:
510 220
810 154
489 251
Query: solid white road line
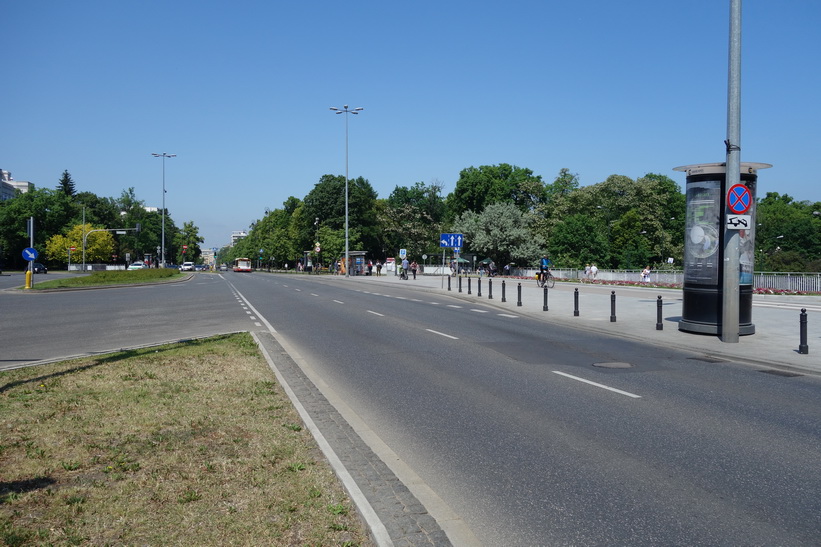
633 395
442 334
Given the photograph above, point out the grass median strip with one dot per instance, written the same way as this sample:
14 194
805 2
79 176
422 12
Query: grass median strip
192 443
118 277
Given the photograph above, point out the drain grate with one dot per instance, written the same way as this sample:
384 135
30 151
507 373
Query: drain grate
783 373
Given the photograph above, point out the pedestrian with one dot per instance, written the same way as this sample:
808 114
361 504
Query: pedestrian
587 271
414 266
405 266
645 274
507 269
378 268
370 267
594 271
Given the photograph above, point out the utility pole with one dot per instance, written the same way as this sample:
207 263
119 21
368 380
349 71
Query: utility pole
731 269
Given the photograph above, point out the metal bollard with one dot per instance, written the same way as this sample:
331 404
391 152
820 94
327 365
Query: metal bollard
544 306
503 291
479 287
803 348
460 283
469 280
519 303
448 282
576 303
490 289
612 306
659 324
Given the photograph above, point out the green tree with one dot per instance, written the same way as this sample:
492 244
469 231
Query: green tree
52 211
578 240
100 211
99 246
503 183
655 205
788 237
133 244
501 232
326 201
411 218
188 235
66 184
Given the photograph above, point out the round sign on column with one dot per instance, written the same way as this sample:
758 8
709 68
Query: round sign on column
739 199
30 253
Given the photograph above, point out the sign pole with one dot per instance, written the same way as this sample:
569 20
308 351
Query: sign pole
731 271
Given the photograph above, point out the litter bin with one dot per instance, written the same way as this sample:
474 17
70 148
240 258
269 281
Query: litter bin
707 214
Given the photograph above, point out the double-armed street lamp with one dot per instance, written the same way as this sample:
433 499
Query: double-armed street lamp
344 110
163 156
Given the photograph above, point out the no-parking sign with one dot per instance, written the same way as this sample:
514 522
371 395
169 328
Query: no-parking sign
739 199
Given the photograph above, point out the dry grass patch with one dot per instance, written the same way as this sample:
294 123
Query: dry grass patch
192 443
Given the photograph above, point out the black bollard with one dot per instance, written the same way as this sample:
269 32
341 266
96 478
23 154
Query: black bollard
469 280
659 324
803 348
448 282
460 283
503 291
490 289
544 306
576 303
519 303
612 306
479 287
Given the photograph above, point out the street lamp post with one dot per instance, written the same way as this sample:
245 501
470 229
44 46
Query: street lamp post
162 244
345 111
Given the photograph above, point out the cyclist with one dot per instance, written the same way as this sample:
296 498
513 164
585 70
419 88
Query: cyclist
544 267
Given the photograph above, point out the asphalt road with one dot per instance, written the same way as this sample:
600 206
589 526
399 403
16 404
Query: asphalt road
495 411
37 327
492 410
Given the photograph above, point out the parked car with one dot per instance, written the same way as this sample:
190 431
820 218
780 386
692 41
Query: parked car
187 267
199 267
137 265
39 268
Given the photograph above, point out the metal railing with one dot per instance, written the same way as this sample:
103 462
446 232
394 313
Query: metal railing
783 281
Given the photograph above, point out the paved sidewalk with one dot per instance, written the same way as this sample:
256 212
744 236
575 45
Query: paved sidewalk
776 318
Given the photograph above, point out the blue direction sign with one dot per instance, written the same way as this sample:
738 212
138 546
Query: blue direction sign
451 240
30 254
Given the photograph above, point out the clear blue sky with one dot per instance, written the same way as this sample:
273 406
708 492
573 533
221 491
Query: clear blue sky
241 91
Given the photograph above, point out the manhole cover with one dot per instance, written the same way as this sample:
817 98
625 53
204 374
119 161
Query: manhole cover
616 364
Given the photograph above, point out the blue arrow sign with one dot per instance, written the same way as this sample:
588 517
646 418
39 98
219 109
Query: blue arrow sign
30 254
451 240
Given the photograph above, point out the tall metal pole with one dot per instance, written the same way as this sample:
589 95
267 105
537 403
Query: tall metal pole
345 111
163 156
730 288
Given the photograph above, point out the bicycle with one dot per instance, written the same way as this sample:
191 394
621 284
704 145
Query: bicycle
545 278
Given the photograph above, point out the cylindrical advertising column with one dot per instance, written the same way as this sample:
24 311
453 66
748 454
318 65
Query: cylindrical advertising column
709 209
